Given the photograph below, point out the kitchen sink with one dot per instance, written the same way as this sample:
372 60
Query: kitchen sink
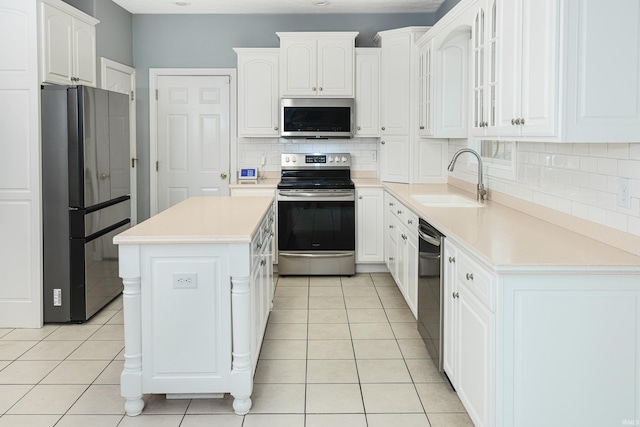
446 201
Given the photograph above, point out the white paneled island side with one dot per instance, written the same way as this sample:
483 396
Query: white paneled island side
198 288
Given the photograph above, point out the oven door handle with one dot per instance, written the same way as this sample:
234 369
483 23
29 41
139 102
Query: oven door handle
342 255
315 195
428 238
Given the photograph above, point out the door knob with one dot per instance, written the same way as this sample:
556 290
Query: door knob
223 175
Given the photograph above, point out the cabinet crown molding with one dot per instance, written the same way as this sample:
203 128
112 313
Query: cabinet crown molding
70 10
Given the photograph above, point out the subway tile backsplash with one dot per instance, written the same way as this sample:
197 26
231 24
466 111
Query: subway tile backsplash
582 180
252 151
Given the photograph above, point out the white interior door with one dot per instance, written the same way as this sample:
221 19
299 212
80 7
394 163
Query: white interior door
193 134
121 78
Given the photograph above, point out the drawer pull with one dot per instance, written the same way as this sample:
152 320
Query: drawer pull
262 262
469 276
456 295
399 212
258 245
452 259
409 221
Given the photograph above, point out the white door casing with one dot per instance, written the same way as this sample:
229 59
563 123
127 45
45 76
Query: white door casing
121 78
192 127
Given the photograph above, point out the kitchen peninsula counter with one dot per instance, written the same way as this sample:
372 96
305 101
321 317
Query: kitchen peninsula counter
198 288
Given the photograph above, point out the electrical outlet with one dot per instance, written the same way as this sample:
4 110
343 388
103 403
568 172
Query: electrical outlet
57 297
624 193
185 280
374 156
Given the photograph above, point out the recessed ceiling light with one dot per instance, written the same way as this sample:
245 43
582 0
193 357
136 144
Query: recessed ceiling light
320 3
181 3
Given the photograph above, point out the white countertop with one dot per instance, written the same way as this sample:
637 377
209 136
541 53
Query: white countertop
508 239
201 220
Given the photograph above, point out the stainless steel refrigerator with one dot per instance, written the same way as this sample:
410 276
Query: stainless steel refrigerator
86 198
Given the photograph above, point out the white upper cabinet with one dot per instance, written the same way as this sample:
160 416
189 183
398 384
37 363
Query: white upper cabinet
601 78
557 71
367 92
398 97
399 54
68 44
442 74
527 35
258 94
483 71
317 64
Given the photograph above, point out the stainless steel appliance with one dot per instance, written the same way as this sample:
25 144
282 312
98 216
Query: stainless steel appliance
85 194
316 117
316 215
430 290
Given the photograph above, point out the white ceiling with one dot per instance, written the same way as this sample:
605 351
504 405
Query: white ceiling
280 6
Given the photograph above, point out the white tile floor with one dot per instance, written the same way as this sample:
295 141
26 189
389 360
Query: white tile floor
338 351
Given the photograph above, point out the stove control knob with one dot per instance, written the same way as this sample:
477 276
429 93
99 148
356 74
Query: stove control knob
330 159
294 159
286 159
344 159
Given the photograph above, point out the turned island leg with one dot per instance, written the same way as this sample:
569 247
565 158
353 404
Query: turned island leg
242 381
131 377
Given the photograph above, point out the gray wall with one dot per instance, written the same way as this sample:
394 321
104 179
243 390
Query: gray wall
446 7
206 41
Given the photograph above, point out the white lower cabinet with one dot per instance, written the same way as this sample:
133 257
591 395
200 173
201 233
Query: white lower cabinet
369 225
401 256
530 346
468 333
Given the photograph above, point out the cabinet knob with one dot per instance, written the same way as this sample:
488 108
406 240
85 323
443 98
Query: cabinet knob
358 128
469 276
275 128
391 204
360 197
399 212
258 245
409 221
513 121
452 259
382 142
391 258
383 128
456 295
421 127
262 262
522 121
390 226
223 175
313 89
320 89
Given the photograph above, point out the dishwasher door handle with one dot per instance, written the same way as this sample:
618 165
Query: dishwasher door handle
435 241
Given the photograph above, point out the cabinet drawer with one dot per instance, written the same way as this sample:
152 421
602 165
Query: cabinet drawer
477 279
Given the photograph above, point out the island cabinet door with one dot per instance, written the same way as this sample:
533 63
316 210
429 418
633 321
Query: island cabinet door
186 318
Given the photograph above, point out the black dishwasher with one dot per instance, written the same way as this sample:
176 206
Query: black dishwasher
430 290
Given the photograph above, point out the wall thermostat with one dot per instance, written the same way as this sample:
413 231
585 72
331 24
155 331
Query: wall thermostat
248 174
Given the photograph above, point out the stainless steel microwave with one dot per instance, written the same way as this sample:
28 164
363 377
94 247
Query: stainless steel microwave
316 117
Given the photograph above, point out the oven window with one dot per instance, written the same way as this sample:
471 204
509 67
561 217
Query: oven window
316 226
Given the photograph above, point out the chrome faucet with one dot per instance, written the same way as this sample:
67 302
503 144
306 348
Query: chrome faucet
480 192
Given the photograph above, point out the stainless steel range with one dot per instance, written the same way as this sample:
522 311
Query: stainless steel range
316 215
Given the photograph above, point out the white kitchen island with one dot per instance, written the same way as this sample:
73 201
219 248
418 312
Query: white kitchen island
198 287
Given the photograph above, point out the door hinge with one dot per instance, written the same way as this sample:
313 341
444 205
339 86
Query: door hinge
157 165
156 94
132 95
133 162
